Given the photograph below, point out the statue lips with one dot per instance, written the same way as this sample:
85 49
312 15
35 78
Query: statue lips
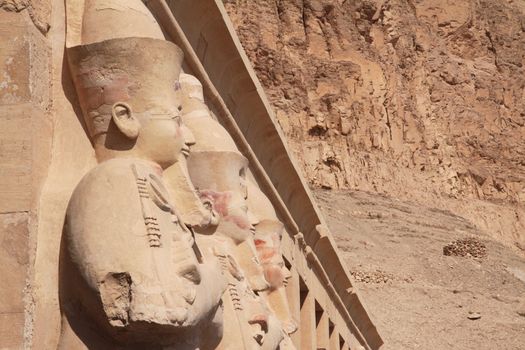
185 151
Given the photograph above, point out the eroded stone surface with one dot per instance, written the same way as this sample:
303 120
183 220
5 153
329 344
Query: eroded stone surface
415 100
14 260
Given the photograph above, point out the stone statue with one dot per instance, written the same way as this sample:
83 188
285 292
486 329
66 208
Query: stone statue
142 281
160 249
268 235
218 170
218 173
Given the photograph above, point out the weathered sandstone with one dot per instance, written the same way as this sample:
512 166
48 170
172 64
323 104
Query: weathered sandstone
417 100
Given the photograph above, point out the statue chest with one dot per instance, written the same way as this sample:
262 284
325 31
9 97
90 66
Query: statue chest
161 221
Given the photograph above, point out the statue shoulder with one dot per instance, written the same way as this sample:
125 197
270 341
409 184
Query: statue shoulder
110 177
111 184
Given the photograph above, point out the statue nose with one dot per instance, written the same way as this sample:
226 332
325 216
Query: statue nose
189 138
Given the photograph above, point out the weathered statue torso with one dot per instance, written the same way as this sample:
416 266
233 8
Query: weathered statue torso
124 236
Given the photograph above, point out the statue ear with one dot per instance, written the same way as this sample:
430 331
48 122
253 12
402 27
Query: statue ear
124 120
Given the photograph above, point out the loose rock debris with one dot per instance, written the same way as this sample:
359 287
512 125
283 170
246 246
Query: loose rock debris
466 247
376 276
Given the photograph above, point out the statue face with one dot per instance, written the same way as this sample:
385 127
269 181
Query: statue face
268 243
161 138
189 140
235 219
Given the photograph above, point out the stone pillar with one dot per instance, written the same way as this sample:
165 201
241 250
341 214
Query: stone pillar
334 337
321 320
307 322
293 293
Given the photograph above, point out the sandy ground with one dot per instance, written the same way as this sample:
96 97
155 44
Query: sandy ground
418 297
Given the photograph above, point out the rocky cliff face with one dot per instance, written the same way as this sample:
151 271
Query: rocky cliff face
417 99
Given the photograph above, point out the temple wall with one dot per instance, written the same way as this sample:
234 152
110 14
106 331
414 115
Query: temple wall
72 157
42 158
25 141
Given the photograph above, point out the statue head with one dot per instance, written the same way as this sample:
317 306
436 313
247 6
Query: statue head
126 88
220 178
190 89
218 171
216 167
268 233
207 133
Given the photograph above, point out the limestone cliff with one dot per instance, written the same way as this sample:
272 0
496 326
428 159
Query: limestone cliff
417 99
